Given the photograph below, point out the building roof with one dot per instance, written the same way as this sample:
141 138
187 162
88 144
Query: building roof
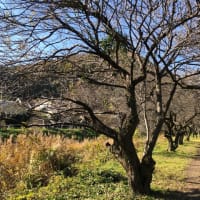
11 108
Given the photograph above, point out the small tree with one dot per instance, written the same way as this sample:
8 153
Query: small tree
155 35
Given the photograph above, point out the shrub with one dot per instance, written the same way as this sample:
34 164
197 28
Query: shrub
33 160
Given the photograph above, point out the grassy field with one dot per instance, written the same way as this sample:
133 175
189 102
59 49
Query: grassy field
34 166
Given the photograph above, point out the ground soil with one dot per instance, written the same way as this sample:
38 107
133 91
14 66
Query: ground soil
191 189
192 182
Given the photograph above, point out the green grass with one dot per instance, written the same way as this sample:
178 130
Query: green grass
76 133
171 166
99 176
5 133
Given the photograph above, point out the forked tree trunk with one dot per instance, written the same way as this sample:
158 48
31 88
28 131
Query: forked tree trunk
147 169
139 174
181 139
171 146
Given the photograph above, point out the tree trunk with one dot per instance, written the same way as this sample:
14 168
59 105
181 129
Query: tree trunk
180 141
139 174
171 146
188 136
177 138
147 169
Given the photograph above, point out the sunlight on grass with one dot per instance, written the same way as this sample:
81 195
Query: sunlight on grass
170 166
35 166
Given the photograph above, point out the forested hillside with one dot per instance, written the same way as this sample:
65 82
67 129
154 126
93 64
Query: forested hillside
115 68
54 81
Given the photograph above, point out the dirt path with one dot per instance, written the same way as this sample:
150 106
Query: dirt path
191 189
192 182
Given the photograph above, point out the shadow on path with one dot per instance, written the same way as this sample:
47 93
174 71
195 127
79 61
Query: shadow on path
177 195
192 183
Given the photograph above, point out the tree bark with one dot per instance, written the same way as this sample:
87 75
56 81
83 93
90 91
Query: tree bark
180 141
171 145
139 174
147 169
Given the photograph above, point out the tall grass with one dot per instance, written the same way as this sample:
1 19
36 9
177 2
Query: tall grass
32 159
34 166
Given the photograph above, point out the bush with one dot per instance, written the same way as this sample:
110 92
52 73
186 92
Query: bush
32 160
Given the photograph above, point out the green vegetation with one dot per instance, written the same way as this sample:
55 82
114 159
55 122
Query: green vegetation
170 169
6 133
77 134
52 167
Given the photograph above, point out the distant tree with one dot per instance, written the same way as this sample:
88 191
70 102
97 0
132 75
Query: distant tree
175 131
183 116
156 36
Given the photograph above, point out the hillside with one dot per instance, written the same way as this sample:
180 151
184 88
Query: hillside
80 78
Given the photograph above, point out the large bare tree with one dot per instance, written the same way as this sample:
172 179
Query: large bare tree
111 44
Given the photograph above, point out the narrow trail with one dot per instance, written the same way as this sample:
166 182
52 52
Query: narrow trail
192 181
191 190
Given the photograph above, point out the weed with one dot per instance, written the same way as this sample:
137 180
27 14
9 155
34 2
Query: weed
56 168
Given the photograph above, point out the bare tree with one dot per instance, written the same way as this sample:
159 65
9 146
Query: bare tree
183 116
147 39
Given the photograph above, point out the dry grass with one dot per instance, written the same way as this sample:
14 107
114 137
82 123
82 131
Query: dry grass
31 159
34 158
